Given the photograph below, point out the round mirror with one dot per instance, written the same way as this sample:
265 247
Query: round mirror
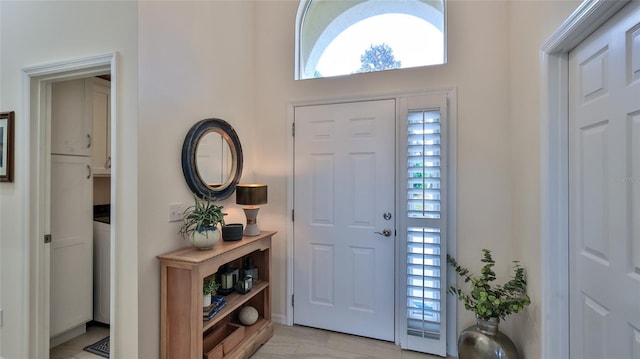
212 159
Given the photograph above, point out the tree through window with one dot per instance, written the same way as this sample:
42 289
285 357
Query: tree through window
339 37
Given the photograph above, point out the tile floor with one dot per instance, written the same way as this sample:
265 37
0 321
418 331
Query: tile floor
73 348
309 343
287 342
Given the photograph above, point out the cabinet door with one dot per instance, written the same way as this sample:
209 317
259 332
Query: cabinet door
70 122
100 94
71 243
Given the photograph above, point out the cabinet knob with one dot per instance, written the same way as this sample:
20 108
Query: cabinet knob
88 140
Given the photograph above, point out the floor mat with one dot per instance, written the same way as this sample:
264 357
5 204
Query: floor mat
100 347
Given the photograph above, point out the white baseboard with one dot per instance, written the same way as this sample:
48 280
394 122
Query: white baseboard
279 318
68 335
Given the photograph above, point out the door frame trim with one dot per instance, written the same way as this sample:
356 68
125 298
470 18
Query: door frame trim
554 174
36 84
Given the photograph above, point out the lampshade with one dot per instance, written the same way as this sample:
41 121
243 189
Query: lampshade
251 194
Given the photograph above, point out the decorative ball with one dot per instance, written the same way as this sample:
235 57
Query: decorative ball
248 315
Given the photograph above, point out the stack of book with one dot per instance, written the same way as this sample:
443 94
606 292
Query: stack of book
217 303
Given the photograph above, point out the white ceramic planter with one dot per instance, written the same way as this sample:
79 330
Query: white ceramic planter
205 239
206 300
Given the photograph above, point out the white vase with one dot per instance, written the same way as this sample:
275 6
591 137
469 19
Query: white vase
206 300
205 239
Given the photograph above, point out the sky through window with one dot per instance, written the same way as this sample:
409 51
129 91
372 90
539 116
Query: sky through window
415 42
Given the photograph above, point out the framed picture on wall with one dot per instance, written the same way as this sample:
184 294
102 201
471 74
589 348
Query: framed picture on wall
6 146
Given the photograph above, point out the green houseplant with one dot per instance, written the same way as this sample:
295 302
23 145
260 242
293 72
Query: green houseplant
487 300
209 289
490 303
200 223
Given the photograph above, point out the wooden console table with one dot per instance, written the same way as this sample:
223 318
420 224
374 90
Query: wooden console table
184 332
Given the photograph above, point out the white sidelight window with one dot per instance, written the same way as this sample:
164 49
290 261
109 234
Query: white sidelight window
422 231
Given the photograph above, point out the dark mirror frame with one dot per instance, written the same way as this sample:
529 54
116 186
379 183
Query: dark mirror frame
189 167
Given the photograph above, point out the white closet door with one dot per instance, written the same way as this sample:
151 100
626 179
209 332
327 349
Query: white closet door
604 199
71 243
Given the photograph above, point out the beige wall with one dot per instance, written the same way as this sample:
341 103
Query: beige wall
531 24
184 61
494 62
227 63
196 61
478 68
37 33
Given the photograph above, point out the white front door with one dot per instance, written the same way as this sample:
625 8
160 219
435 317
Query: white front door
604 190
343 194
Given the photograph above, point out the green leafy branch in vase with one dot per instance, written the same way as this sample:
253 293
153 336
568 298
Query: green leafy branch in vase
487 300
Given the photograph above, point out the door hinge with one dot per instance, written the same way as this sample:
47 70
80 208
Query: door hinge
47 238
293 216
292 300
293 129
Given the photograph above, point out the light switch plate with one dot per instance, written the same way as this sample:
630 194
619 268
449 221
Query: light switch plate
176 211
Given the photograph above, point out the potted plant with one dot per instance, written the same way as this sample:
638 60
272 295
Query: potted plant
490 303
200 223
208 290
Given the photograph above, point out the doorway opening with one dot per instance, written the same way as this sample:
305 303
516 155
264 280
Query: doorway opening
39 81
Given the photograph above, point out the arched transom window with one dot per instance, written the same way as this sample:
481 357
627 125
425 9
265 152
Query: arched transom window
340 37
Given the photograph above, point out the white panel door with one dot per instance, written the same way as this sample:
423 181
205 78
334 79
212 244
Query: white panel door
71 243
604 174
344 184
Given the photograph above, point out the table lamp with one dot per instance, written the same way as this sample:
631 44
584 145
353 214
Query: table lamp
251 195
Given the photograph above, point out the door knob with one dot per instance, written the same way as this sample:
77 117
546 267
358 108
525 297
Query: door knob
385 232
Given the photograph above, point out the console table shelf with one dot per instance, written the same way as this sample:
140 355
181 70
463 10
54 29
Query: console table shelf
182 276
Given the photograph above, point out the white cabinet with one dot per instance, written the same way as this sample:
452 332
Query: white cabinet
71 243
81 121
70 122
100 93
101 271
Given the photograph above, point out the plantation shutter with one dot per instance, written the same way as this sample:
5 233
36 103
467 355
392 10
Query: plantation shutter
422 230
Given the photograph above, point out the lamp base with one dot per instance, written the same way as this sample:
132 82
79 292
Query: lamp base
251 229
